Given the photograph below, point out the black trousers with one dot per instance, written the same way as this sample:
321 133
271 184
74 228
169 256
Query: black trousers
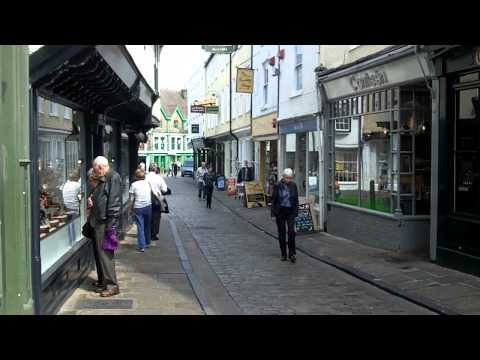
286 219
156 218
209 193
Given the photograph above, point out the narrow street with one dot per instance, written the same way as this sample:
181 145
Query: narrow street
248 264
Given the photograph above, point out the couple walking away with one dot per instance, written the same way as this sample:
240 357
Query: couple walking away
146 198
206 181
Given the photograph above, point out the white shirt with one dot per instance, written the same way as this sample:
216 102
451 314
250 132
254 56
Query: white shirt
200 172
70 192
157 182
142 193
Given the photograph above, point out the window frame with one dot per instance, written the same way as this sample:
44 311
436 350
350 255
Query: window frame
298 68
55 107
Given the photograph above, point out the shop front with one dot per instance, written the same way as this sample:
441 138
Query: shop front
86 101
265 137
299 147
456 148
377 115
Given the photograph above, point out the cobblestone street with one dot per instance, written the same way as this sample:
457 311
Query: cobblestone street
247 262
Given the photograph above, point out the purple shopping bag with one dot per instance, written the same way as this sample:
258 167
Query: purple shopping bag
110 243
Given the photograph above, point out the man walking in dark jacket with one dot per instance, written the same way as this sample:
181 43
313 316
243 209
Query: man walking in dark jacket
285 210
105 204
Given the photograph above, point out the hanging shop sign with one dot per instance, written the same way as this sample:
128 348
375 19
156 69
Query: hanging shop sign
220 49
231 186
368 80
198 109
304 220
255 195
212 110
244 80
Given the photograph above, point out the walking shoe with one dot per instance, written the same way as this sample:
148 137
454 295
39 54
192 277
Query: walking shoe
110 292
283 258
293 258
100 289
141 250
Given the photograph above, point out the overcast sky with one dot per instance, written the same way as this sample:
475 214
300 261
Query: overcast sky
177 64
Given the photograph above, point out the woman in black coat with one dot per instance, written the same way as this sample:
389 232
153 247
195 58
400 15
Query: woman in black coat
285 210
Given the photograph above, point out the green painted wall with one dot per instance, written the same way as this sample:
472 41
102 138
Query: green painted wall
15 192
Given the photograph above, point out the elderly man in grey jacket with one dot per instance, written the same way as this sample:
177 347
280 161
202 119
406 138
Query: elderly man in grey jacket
105 204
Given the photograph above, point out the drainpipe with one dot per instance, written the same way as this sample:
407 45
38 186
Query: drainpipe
321 155
231 132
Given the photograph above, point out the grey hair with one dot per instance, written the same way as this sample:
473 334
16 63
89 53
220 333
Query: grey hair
288 172
100 160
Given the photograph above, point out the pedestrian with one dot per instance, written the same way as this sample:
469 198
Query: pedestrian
245 173
201 171
175 169
71 193
285 209
209 180
93 182
105 204
159 187
140 204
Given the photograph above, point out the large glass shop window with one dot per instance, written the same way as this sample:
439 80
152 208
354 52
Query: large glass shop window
313 165
61 188
382 150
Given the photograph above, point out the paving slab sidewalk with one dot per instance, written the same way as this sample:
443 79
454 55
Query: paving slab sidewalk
151 283
408 274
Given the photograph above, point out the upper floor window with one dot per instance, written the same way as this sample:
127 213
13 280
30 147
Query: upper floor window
53 108
265 83
179 143
40 103
67 113
298 67
173 143
162 143
175 124
155 143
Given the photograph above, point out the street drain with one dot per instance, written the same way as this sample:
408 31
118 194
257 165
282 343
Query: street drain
106 304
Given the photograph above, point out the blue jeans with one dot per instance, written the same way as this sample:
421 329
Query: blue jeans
143 218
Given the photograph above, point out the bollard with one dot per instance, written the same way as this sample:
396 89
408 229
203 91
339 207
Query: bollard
372 195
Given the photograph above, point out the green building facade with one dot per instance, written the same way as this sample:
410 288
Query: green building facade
168 142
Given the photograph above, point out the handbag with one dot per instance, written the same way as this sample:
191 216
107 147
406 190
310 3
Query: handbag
156 203
164 208
88 231
110 242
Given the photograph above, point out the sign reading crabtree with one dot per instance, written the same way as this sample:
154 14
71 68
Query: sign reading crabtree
220 49
255 196
244 80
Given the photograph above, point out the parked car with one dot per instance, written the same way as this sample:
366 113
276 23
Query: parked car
187 168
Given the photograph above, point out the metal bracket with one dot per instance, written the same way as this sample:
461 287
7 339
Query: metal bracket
25 162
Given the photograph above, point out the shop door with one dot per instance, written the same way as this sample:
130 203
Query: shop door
464 219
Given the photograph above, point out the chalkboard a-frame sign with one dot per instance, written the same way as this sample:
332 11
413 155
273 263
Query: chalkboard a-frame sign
304 220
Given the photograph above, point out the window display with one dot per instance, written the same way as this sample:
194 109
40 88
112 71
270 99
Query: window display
383 162
60 193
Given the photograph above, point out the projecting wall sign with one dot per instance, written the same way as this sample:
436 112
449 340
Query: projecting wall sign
368 80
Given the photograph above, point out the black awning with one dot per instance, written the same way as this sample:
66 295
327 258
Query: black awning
96 78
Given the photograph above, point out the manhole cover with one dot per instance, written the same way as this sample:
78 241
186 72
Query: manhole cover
106 304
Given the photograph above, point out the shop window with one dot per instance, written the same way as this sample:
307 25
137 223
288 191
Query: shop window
61 202
313 166
383 162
